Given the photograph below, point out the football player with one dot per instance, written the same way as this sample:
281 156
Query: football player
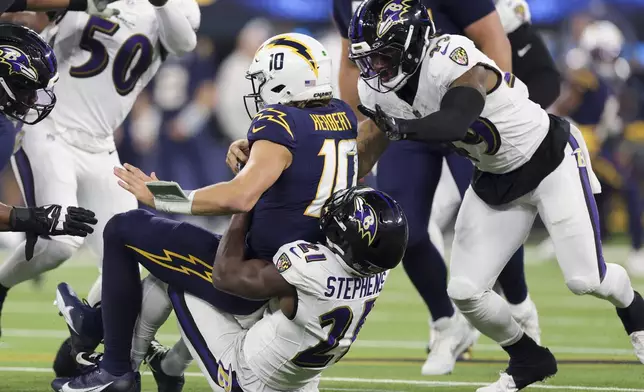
302 148
69 156
533 64
418 85
28 72
336 282
450 333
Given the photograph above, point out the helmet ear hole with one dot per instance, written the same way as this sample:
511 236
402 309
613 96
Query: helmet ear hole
278 89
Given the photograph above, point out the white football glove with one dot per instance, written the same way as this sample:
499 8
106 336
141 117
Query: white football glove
99 8
513 13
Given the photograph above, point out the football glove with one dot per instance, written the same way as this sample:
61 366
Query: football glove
389 125
46 220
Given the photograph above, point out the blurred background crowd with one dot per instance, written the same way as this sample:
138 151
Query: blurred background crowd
181 126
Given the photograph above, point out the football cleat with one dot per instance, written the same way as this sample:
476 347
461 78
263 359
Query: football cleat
67 364
453 336
521 372
165 383
98 380
83 321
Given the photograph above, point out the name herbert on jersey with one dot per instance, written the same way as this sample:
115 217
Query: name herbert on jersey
351 288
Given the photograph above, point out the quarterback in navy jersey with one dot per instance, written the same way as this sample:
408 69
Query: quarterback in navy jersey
302 148
422 164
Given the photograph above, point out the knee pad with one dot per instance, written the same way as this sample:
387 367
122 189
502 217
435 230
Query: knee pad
462 289
581 285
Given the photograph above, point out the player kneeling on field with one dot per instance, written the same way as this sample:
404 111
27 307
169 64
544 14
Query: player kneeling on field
317 286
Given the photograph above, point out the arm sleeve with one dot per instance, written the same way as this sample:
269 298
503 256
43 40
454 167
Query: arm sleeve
465 12
533 64
273 124
178 22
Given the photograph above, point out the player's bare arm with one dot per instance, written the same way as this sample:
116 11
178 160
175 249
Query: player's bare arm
460 107
252 279
489 36
371 144
348 77
266 163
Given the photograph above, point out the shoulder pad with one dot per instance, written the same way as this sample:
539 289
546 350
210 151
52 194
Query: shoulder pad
451 56
294 262
274 124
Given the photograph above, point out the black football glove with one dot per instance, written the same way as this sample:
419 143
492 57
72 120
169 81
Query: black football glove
46 220
389 125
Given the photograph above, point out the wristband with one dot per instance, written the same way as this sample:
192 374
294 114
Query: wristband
177 206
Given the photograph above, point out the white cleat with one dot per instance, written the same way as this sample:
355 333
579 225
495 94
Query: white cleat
526 315
637 340
635 263
452 336
505 383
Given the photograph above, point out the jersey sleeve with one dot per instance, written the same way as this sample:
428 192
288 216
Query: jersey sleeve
453 55
367 95
292 259
465 12
178 22
513 13
342 12
273 124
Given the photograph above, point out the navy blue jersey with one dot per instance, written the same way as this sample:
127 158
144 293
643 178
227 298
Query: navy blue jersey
5 4
323 143
450 16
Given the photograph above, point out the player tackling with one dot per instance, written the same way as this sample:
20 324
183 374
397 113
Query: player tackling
417 85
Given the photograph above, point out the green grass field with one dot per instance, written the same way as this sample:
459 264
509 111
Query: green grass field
584 333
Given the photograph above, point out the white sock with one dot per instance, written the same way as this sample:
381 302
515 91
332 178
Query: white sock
94 295
48 254
155 310
490 314
177 360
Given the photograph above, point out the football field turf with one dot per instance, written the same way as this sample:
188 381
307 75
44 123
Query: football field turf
584 333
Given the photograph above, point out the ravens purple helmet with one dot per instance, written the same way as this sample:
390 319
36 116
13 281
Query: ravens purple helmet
388 40
28 71
366 227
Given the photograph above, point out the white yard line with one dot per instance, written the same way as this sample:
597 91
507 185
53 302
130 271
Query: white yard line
346 380
380 344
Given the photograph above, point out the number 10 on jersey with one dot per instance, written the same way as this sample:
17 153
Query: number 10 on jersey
340 171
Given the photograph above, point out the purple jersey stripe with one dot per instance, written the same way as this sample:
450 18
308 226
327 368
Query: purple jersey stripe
592 210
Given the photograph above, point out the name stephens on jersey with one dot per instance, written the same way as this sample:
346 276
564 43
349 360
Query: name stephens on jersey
348 288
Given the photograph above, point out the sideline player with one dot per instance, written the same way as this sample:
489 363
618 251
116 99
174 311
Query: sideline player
527 162
302 148
69 156
450 333
366 234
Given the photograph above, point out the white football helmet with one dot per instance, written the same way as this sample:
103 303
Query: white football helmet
287 68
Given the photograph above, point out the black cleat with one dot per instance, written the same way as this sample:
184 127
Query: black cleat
68 364
165 383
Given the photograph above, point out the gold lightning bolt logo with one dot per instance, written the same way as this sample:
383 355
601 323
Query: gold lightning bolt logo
273 115
173 261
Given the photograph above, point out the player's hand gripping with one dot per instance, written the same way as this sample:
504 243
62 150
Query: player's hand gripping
237 156
133 180
389 125
46 220
99 8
